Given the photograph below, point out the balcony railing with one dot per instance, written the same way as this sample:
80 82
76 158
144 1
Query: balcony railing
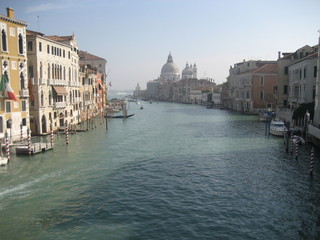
60 104
57 82
42 81
24 93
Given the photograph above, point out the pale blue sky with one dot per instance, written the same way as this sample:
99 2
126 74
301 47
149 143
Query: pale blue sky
136 36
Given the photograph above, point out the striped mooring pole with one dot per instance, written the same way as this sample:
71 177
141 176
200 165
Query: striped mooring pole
311 161
51 136
29 141
297 149
21 136
67 135
291 144
7 148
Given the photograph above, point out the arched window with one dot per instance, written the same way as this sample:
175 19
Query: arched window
20 44
52 71
24 122
60 72
22 81
48 70
4 40
1 124
42 99
41 70
64 73
50 98
69 74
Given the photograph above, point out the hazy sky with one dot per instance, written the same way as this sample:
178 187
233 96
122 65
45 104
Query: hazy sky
136 36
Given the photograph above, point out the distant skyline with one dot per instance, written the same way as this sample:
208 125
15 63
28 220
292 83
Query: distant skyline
136 36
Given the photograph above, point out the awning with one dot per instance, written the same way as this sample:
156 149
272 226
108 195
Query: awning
60 90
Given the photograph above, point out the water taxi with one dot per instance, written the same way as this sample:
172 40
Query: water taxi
277 128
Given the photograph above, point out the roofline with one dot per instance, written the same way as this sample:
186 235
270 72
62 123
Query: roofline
2 17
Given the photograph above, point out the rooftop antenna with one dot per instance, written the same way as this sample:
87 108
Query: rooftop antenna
38 23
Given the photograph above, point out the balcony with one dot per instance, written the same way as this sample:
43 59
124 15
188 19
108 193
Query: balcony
60 104
24 93
42 81
88 102
57 82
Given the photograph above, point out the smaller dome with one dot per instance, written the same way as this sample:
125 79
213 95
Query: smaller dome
187 70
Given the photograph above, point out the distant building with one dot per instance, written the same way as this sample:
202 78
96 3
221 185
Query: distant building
169 86
170 71
251 86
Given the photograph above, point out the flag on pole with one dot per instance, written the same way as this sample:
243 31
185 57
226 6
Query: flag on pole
5 86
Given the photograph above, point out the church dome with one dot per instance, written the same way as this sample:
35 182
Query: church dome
170 71
187 70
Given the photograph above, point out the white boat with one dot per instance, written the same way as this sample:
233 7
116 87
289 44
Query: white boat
277 128
3 161
298 139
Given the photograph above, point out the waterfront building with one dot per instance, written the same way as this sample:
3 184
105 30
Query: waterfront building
14 94
95 68
92 92
251 86
169 86
138 93
290 85
99 64
54 84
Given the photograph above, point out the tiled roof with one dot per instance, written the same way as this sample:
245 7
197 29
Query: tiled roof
267 68
60 38
87 56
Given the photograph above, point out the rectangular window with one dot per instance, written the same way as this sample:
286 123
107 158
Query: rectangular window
52 51
64 53
29 46
8 107
285 103
261 95
286 70
304 73
1 124
261 81
12 32
285 89
315 71
30 70
48 49
23 106
40 47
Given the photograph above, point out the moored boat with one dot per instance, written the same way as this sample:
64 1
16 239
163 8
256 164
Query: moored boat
277 128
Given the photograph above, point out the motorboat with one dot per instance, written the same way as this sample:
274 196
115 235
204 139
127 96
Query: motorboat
298 139
277 128
266 115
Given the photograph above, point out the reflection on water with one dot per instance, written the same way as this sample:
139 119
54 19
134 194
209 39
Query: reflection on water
170 172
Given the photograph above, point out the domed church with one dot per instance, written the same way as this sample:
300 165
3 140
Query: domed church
189 71
170 71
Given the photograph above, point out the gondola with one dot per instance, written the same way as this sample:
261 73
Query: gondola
121 116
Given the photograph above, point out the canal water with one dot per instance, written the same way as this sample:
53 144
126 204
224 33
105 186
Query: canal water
172 171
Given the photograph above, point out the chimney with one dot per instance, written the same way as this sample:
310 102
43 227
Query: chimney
10 12
279 54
